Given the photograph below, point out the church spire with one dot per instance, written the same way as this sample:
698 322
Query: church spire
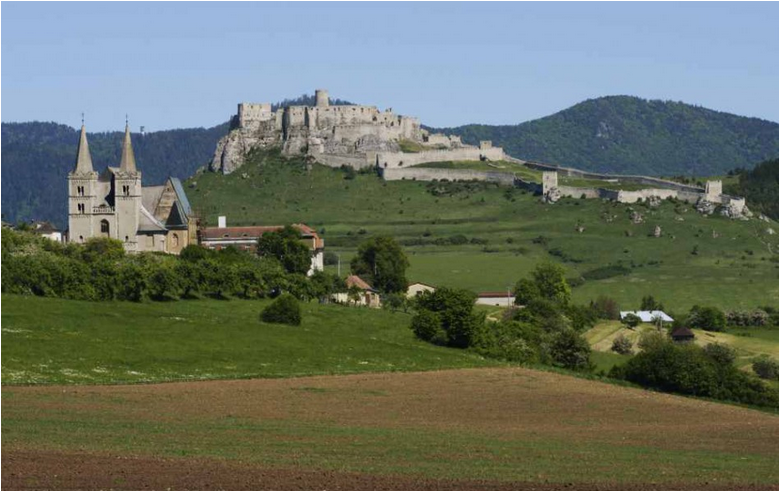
128 161
83 159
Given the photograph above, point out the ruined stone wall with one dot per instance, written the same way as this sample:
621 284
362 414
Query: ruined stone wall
250 114
429 174
338 160
573 172
403 160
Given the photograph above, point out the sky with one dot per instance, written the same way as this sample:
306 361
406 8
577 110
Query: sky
182 64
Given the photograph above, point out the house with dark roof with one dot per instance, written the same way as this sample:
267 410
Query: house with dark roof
682 334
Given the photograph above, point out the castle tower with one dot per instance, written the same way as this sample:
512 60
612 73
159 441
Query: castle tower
82 193
549 180
321 98
713 190
127 195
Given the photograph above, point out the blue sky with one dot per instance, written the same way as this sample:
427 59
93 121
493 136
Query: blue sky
173 65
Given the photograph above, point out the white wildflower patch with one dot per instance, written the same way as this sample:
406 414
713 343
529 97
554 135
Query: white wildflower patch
10 330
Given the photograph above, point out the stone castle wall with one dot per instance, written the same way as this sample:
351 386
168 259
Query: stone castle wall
403 160
429 174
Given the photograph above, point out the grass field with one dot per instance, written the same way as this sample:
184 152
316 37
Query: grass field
55 341
738 268
527 428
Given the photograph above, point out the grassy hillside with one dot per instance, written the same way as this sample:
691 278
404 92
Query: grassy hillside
625 134
56 341
512 230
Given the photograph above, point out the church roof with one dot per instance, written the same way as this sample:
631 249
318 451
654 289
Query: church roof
83 158
128 160
182 199
150 196
148 223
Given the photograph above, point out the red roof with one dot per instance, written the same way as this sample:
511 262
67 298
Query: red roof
357 281
494 294
254 232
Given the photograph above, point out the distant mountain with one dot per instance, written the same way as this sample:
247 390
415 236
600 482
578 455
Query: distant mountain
37 156
625 134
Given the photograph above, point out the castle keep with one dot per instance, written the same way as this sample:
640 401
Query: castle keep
115 205
353 135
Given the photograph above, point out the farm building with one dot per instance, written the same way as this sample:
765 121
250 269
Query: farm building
367 295
649 316
682 334
246 238
496 298
418 287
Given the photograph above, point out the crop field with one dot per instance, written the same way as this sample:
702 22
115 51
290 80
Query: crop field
698 260
55 341
469 429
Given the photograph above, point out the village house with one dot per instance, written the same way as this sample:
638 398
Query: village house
417 288
246 238
649 317
47 230
496 298
367 296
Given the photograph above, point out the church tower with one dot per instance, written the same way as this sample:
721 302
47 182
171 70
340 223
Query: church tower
127 195
82 193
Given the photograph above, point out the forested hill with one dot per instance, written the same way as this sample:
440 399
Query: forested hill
37 156
760 187
625 134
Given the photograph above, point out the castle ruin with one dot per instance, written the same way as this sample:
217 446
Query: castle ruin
354 135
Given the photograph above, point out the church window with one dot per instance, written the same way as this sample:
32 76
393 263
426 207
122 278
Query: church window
126 239
105 227
81 239
174 240
80 208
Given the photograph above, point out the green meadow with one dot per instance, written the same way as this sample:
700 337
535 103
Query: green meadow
697 260
56 341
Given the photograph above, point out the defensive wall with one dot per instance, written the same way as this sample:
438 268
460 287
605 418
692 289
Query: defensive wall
429 174
392 160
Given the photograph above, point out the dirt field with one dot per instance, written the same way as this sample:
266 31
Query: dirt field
461 429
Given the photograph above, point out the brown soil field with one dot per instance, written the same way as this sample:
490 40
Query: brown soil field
504 428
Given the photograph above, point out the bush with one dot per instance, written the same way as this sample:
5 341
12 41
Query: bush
570 350
284 310
721 353
454 308
622 345
687 369
631 320
606 272
766 367
707 318
427 327
331 258
606 308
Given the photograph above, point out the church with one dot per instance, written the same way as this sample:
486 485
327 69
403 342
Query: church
113 204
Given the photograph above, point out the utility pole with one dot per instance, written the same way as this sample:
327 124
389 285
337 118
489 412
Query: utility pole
338 265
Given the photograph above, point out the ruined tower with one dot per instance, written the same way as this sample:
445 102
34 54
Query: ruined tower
321 98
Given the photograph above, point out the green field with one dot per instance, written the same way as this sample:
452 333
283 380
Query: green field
56 341
736 269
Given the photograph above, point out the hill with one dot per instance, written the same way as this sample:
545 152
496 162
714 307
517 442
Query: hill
484 237
37 157
619 134
624 134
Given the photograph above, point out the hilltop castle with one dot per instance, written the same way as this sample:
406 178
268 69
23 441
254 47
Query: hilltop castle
115 205
353 135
